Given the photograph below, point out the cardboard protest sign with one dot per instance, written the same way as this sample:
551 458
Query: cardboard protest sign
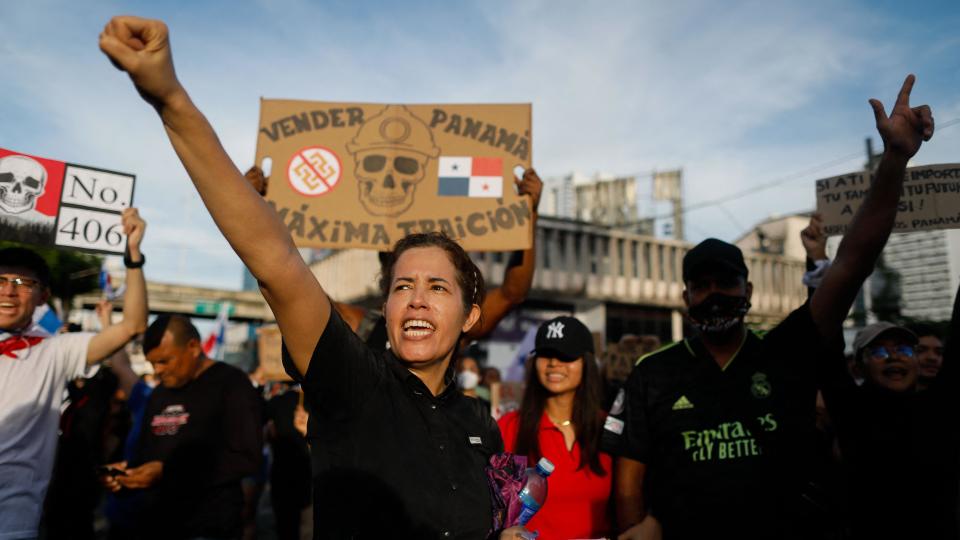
49 202
930 199
364 175
269 347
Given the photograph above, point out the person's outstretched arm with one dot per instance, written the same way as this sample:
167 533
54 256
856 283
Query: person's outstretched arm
134 321
519 274
903 132
141 47
814 242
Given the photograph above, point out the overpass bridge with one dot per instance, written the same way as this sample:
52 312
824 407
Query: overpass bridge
201 302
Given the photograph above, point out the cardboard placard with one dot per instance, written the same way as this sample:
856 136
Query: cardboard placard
53 203
362 175
930 199
269 353
619 359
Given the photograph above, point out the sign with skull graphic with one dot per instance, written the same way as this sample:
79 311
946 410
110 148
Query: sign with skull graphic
49 202
361 175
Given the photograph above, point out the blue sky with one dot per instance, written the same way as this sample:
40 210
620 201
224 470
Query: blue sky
736 93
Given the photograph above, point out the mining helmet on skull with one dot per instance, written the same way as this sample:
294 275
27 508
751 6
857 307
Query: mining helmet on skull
394 128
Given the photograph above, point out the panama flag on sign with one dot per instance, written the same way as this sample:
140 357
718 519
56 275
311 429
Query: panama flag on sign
470 177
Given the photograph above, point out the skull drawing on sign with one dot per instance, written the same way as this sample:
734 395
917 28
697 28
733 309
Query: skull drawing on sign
391 151
22 180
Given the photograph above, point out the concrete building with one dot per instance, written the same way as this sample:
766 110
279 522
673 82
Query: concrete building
929 266
616 281
559 197
777 235
928 263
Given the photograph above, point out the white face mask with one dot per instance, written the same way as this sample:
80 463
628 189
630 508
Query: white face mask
467 380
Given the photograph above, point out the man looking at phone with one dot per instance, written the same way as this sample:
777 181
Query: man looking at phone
200 437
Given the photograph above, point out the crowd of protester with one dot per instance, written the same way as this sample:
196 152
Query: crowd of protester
391 420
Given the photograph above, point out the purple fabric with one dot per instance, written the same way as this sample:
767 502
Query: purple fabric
505 475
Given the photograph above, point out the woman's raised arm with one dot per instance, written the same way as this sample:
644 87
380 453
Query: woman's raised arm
141 47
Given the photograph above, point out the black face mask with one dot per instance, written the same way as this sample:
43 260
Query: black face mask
718 313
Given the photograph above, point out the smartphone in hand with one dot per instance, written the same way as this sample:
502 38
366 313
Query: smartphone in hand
104 470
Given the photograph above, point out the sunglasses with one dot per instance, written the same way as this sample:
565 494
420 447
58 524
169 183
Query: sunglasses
882 353
19 282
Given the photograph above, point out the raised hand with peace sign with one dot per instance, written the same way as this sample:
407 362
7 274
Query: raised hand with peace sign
903 132
906 128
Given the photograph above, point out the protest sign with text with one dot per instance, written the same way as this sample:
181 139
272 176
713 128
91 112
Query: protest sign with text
52 203
364 175
930 199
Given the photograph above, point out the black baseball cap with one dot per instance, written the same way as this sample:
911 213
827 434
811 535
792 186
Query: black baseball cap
713 254
564 338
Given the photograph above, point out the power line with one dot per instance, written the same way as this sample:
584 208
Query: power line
766 185
733 219
782 180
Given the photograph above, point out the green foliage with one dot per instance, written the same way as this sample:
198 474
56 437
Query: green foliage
64 263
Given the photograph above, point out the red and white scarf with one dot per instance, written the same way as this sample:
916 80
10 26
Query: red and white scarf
10 342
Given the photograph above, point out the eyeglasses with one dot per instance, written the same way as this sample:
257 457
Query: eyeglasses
882 353
19 282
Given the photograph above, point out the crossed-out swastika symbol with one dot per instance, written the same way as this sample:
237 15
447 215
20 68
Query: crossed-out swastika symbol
314 170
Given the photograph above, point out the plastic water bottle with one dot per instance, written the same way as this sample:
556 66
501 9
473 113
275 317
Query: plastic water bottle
534 492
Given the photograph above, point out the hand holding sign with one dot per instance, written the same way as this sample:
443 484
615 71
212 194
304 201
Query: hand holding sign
531 185
133 227
905 129
141 47
257 179
813 238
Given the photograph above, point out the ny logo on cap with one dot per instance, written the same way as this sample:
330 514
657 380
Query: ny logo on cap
555 330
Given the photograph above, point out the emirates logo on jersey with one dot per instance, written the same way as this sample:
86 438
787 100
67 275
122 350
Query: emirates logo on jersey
169 421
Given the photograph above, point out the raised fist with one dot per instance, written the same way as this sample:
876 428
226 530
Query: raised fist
141 47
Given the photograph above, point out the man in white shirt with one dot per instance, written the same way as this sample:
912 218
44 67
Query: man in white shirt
35 366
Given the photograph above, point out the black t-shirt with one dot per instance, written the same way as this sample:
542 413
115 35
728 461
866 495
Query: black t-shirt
208 436
390 460
727 450
900 454
290 466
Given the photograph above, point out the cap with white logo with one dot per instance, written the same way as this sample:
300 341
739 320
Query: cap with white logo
564 338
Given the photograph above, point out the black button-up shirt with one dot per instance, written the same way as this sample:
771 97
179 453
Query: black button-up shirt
390 460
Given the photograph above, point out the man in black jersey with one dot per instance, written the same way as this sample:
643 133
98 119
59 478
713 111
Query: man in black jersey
200 437
712 433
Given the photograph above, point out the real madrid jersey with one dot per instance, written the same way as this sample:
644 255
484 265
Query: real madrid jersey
726 449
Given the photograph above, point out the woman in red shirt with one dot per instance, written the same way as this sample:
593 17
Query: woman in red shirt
560 418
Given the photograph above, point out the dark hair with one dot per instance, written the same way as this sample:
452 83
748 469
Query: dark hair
179 326
18 257
924 329
587 414
468 275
